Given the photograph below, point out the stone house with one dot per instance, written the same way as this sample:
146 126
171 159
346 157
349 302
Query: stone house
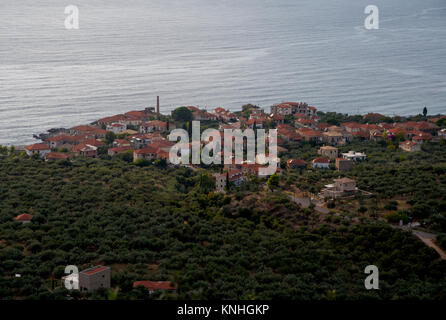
328 151
94 278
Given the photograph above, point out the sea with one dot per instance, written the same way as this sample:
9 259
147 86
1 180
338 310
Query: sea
210 54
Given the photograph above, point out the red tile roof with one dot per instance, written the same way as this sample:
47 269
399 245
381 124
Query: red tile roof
37 147
94 270
297 162
83 128
155 285
93 142
135 114
115 118
84 148
321 160
154 123
120 149
146 150
353 125
23 217
408 143
57 156
300 115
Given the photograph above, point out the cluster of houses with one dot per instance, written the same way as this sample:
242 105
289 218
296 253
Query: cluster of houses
343 161
143 135
309 128
148 141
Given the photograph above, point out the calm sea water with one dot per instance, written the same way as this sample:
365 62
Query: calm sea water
215 53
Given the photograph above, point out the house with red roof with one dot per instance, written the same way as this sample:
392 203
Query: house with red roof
121 143
147 153
333 138
421 137
118 150
85 150
120 118
386 126
310 135
38 148
427 126
282 109
277 118
288 135
94 278
362 135
351 127
93 142
56 156
289 108
306 123
224 115
295 164
397 132
257 122
154 286
140 115
410 146
56 141
63 140
84 130
24 218
376 134
153 126
321 163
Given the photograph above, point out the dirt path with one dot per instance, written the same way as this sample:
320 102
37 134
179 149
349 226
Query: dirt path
428 239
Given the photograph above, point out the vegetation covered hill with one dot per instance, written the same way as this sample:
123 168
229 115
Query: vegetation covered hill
160 223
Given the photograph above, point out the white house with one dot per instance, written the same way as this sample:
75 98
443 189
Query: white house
38 148
321 163
116 128
355 156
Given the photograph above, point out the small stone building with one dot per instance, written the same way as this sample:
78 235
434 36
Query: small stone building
343 164
340 188
94 278
329 152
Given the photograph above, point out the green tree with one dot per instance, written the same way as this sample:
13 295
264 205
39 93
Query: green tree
127 156
442 123
425 111
182 114
273 181
110 137
206 183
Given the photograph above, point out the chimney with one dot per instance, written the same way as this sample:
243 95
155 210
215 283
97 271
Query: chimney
158 105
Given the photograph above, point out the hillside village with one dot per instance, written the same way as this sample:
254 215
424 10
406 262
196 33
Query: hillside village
142 135
335 172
